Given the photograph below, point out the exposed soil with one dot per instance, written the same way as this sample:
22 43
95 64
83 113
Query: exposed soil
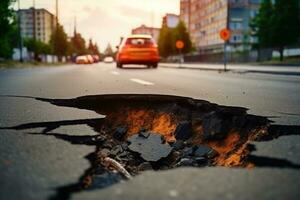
156 132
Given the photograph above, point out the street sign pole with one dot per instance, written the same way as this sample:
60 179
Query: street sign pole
225 35
180 45
180 61
225 56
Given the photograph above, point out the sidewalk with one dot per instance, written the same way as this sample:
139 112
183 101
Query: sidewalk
238 68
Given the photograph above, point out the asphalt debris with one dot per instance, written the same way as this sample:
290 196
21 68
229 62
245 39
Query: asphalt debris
150 148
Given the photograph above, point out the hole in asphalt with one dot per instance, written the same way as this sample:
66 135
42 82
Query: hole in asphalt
158 132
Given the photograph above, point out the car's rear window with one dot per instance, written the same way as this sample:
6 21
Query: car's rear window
139 41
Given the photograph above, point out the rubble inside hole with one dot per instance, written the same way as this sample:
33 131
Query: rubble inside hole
147 139
154 132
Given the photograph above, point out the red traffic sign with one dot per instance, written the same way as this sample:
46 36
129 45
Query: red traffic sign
225 34
179 44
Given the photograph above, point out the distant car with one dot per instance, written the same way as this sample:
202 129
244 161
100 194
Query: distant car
81 60
96 58
90 59
108 59
85 59
138 49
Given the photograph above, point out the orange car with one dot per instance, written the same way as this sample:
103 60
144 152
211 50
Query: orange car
138 49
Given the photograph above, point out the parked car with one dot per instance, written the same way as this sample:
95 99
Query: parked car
138 49
90 59
81 60
108 59
85 59
96 58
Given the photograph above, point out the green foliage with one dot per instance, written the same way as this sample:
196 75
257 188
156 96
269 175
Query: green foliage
93 48
165 41
7 28
262 25
285 23
109 51
277 25
37 46
59 42
181 33
168 37
77 45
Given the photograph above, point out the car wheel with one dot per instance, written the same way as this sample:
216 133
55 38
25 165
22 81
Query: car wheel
119 65
155 65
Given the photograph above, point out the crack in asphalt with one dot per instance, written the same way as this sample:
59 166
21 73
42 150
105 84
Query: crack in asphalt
115 106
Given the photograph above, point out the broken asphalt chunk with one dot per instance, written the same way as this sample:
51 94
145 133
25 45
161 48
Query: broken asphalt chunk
144 134
183 131
146 166
150 149
120 133
202 151
178 145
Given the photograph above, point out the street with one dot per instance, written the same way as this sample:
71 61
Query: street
33 166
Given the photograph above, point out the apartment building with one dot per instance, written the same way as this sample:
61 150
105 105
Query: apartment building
143 29
185 13
171 20
205 19
37 23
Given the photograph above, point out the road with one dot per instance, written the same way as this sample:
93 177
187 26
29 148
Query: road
33 166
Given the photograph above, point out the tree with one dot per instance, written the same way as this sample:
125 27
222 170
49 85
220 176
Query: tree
7 28
165 42
181 33
37 46
285 24
109 51
261 25
78 44
59 42
93 48
277 25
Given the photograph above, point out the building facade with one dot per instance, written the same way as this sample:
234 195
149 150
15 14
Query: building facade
37 23
143 29
205 19
170 20
185 13
241 12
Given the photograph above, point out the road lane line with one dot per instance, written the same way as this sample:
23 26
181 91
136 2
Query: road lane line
115 73
139 81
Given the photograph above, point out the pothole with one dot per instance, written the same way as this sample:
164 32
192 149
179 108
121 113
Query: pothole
156 132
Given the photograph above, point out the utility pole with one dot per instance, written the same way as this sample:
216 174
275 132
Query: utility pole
55 43
189 15
152 22
20 33
226 42
34 26
57 12
75 26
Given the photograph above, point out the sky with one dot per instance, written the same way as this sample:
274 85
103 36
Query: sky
105 21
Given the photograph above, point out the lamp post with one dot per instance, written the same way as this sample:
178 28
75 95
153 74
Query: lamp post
20 33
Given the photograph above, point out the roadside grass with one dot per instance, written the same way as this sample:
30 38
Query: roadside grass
290 61
9 64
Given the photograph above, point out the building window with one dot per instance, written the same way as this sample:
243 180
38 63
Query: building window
253 13
237 38
236 25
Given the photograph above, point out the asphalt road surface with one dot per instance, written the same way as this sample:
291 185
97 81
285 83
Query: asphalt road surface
34 166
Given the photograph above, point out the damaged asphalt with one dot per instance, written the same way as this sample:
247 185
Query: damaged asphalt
34 166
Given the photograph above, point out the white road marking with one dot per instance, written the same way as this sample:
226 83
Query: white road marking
115 73
141 81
